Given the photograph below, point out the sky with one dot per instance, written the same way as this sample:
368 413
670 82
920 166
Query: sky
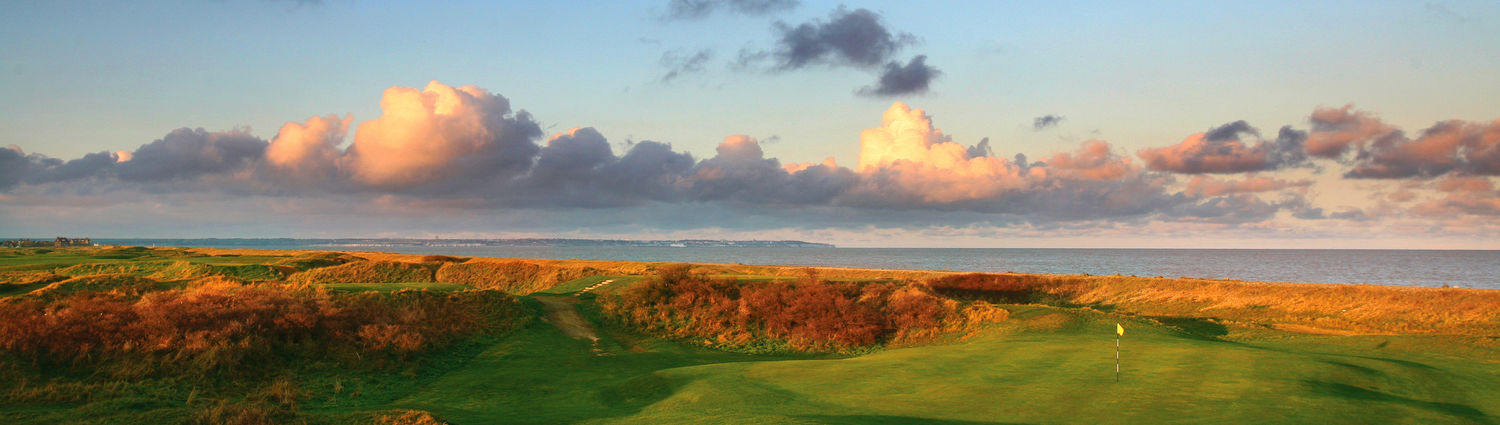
881 124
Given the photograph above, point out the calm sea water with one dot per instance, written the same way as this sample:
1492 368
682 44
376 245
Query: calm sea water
1470 269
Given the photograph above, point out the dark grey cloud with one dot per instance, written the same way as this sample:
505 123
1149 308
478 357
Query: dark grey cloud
897 79
14 166
1045 122
699 9
1227 149
678 64
1454 146
1230 132
855 38
847 38
89 165
982 149
186 153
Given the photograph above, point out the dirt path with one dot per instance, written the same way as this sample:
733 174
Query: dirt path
565 317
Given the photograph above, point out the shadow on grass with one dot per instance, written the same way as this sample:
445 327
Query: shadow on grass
1194 327
1351 392
887 419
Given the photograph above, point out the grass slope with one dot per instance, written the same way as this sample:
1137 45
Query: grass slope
1045 366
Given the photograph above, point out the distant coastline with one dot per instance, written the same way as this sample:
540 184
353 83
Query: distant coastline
413 242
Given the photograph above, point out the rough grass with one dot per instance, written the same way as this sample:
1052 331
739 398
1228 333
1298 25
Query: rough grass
516 277
391 287
1361 309
313 260
367 272
119 284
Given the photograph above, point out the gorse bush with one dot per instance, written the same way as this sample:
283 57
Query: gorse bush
806 315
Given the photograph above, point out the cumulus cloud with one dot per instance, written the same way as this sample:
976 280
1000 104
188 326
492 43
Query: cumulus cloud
908 163
1447 147
1223 150
187 153
308 150
699 9
441 133
14 166
1045 122
1336 130
897 79
578 168
464 149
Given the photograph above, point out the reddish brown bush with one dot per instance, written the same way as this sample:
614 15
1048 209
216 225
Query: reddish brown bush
221 324
1002 288
809 315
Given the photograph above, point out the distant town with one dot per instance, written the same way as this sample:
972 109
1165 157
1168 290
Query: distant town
59 242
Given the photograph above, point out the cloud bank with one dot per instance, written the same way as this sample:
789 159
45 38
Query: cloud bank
464 150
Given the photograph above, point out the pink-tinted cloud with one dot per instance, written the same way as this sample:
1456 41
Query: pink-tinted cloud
438 133
1209 186
1449 146
1336 130
1475 196
309 149
1224 150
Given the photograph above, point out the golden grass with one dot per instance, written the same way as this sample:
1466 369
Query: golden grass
1327 307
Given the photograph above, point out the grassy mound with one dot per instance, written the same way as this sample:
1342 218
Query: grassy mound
516 277
313 260
116 284
771 315
367 272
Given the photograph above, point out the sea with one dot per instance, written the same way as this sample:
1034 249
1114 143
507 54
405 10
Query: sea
1465 269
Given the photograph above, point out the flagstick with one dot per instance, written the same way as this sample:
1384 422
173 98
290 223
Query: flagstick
1117 358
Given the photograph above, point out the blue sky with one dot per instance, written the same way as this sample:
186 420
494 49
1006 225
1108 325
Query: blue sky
84 77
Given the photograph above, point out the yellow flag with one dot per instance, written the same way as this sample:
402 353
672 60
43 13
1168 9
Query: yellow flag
1119 329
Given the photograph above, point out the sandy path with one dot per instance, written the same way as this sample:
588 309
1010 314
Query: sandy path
565 317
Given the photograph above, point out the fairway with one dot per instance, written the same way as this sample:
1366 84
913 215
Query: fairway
1049 366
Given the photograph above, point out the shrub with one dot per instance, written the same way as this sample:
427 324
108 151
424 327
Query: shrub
806 315
367 272
218 324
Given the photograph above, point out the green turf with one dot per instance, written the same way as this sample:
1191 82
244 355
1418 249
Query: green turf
391 287
573 286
